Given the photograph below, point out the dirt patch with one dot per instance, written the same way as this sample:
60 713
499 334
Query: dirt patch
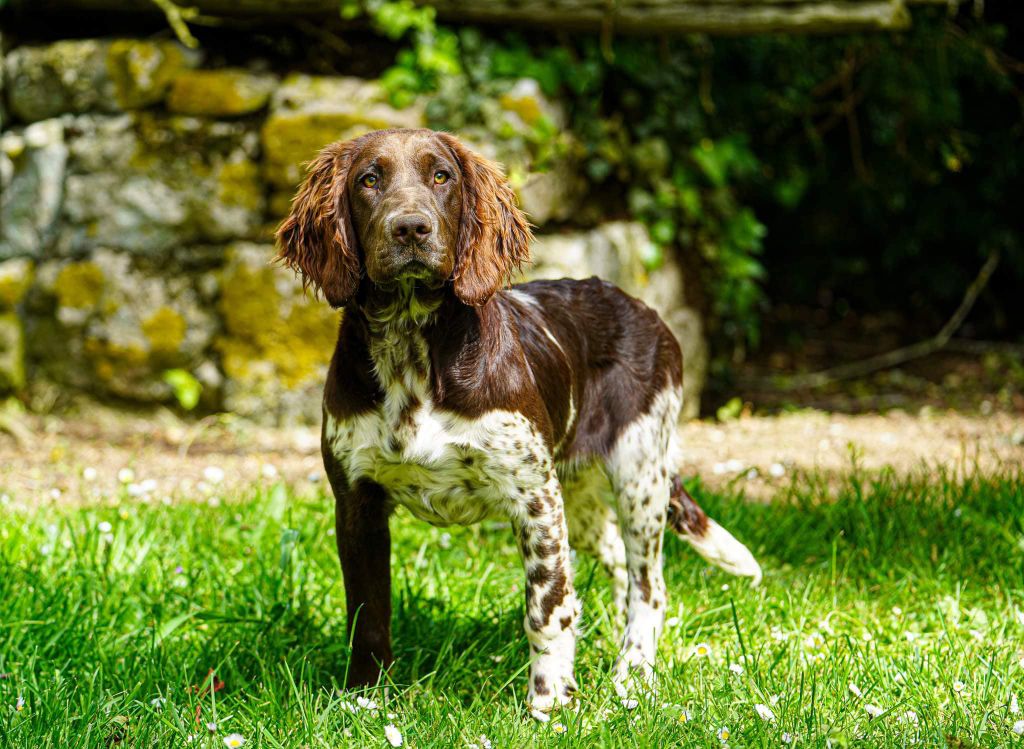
80 457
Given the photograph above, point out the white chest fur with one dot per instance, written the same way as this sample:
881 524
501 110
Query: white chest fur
443 467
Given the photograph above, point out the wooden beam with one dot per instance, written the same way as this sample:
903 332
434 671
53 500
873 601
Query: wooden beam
620 16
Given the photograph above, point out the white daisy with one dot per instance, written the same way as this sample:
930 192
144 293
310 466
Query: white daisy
736 668
19 704
104 527
855 691
959 686
89 473
1014 705
1018 728
393 735
724 733
158 702
366 704
909 718
702 650
234 740
764 713
211 727
126 475
787 738
559 728
873 710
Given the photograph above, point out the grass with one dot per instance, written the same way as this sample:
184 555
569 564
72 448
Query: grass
910 589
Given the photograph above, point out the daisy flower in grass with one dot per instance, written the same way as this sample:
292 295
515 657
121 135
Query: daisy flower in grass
702 650
873 711
908 718
787 738
724 733
234 740
1018 728
959 686
855 691
366 704
393 735
559 727
764 713
19 705
1014 705
736 668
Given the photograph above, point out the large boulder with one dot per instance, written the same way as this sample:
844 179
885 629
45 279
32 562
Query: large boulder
148 184
109 327
276 342
32 168
91 75
623 253
308 112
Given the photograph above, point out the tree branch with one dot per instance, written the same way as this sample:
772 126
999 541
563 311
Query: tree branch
897 356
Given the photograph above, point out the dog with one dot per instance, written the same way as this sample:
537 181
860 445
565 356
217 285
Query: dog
550 404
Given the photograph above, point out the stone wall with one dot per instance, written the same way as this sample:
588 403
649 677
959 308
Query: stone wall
140 190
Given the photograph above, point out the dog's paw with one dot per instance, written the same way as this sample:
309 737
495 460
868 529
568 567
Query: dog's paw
547 694
634 678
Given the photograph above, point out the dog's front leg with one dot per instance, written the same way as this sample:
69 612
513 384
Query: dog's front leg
551 606
364 547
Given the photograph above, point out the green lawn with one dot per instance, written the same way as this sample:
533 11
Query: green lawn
911 591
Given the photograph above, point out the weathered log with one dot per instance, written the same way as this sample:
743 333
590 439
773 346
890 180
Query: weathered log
619 16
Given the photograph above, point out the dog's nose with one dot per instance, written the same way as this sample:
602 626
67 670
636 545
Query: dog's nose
412 227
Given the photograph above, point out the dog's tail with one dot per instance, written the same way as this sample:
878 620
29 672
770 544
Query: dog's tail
708 538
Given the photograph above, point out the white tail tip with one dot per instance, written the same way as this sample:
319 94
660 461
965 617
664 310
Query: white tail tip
720 548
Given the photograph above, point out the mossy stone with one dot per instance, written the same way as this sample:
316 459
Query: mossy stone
165 330
15 279
220 93
12 353
308 112
79 285
142 71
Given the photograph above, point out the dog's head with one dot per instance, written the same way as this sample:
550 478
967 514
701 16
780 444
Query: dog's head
404 204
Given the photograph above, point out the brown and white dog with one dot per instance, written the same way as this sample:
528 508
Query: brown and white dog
551 404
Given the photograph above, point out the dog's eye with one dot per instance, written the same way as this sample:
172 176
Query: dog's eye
441 177
369 180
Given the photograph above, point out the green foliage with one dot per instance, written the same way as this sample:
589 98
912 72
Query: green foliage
185 386
862 152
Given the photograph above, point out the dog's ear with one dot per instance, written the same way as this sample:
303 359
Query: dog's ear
494 235
317 240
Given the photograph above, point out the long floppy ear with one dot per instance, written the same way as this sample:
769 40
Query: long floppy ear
494 235
317 240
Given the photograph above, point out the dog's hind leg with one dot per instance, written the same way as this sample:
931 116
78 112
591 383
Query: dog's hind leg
640 466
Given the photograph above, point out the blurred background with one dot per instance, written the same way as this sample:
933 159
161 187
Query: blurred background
796 186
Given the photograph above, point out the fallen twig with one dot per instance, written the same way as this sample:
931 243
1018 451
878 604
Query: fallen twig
893 358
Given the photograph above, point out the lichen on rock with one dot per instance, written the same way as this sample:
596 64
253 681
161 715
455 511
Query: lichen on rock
116 328
142 71
15 279
308 112
277 341
226 92
91 75
148 184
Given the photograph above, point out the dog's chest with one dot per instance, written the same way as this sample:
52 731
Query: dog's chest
445 468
